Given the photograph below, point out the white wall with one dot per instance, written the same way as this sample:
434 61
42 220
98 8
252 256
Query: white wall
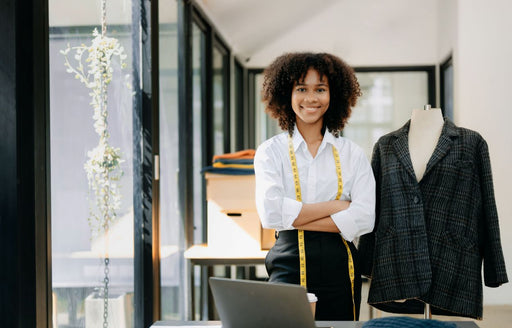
483 73
447 19
364 33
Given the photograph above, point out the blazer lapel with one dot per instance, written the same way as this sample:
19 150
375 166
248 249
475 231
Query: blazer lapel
401 146
443 145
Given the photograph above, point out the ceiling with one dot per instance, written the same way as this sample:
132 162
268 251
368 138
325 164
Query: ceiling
249 25
363 31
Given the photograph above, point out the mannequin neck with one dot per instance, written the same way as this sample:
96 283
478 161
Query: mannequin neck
424 131
426 119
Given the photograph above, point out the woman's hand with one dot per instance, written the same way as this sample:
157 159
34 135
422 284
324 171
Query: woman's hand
324 224
322 210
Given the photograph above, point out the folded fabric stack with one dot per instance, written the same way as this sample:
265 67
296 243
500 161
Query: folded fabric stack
237 163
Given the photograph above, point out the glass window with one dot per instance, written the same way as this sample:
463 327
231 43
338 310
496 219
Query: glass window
386 104
219 101
172 237
199 150
266 125
237 112
92 219
198 45
447 88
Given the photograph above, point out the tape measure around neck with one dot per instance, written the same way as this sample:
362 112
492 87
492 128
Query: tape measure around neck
301 243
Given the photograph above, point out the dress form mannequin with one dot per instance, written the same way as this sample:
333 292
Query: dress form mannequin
424 131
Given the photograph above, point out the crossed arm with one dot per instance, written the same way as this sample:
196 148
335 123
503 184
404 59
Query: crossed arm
317 216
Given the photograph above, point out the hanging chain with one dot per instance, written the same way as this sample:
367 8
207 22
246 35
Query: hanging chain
105 293
103 17
107 260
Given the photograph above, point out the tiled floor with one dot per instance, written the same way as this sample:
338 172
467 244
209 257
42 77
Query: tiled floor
496 316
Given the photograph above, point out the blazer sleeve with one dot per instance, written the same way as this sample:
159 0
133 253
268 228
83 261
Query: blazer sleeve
494 264
367 242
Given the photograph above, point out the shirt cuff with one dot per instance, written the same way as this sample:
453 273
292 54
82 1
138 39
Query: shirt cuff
291 209
347 226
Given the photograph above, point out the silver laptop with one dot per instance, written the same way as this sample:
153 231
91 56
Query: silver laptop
256 304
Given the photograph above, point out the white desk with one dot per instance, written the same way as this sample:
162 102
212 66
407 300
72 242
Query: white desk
217 324
334 324
204 255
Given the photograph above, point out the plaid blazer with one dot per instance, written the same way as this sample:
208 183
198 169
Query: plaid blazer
430 237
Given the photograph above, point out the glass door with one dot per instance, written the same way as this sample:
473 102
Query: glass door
91 163
172 231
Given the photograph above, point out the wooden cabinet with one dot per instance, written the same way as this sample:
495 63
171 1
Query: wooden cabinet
232 217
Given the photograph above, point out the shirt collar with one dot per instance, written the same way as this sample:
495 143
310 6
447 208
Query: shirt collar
298 139
328 137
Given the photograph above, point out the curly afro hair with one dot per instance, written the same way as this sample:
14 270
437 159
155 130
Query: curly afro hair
281 75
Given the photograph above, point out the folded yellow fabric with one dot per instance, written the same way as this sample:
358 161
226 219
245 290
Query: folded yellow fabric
237 166
242 154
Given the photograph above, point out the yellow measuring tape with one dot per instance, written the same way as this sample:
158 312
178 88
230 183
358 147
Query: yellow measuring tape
298 195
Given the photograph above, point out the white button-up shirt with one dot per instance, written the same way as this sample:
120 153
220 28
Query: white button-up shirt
275 190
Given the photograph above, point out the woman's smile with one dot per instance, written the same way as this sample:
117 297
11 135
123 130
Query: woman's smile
310 98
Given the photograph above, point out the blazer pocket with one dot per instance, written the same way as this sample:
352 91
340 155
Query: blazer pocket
387 254
459 241
461 163
385 233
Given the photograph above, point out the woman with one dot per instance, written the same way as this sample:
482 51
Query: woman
311 179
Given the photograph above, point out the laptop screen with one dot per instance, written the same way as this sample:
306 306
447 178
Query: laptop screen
256 304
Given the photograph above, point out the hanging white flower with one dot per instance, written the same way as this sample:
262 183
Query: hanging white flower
94 69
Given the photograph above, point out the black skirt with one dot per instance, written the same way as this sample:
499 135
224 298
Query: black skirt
326 271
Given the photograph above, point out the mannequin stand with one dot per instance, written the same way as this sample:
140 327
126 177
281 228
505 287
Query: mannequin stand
427 313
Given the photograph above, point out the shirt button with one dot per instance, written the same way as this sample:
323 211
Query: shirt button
416 200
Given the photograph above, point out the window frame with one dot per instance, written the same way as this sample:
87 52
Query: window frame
429 69
446 64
